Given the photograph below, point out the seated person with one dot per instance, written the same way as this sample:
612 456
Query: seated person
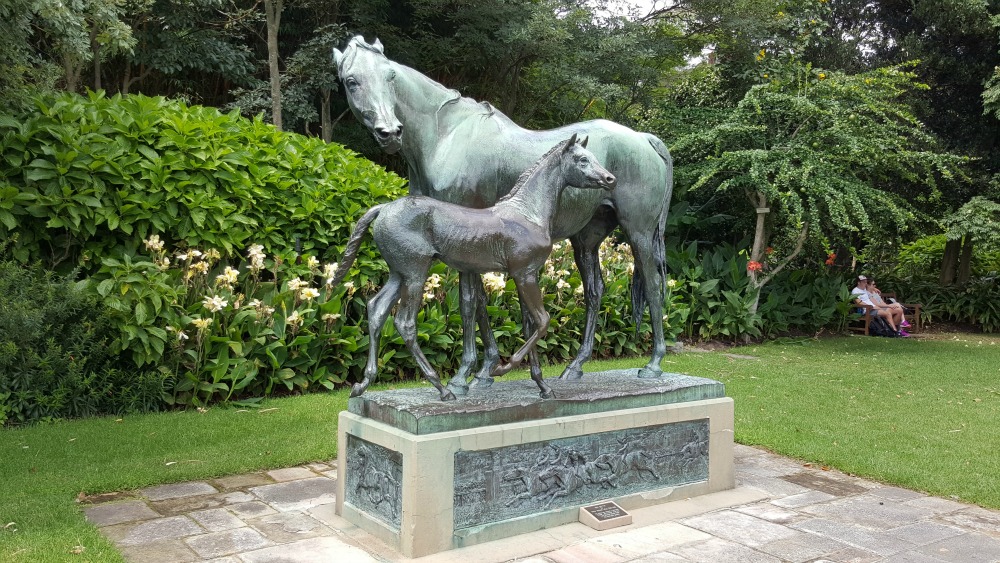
862 297
876 297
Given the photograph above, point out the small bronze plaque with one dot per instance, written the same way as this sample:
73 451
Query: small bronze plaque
823 484
604 516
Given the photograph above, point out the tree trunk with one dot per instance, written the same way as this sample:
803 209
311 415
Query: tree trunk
95 48
965 262
272 10
325 122
949 261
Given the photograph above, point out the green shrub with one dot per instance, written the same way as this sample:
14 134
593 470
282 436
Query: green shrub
55 359
84 178
976 302
924 256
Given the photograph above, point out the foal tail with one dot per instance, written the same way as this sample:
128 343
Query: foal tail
353 244
659 246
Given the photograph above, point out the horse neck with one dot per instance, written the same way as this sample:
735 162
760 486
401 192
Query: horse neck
537 199
418 100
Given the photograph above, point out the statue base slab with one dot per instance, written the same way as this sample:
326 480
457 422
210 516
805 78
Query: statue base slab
426 476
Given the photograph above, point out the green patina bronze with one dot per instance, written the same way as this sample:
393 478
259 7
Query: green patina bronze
517 401
469 153
513 236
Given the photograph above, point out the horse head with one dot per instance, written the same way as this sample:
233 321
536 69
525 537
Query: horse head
368 78
581 168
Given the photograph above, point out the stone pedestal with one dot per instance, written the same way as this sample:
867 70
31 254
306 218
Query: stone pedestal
426 476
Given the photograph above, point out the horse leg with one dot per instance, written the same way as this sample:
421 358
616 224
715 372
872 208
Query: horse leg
406 324
491 353
645 265
586 253
468 306
378 311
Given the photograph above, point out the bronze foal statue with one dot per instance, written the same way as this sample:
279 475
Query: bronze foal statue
513 236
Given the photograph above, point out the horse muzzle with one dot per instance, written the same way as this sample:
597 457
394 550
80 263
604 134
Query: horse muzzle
390 138
608 182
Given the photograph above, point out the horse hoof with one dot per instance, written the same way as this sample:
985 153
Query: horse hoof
447 396
481 383
460 389
647 373
547 394
572 373
357 390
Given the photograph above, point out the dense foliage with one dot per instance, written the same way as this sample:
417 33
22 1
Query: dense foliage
55 355
83 178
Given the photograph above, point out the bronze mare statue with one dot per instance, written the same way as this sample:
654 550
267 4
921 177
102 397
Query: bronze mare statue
512 237
470 154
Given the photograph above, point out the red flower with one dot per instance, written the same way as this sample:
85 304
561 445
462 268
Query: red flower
769 250
754 266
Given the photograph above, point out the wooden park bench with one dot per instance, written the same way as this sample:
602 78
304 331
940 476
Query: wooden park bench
863 324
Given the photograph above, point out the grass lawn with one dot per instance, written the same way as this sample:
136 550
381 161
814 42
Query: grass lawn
919 413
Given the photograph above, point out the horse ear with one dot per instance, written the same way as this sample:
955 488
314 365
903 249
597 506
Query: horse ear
338 56
583 143
571 142
378 45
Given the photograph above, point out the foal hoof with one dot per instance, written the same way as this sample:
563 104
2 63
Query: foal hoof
547 394
447 396
458 386
481 383
647 373
358 389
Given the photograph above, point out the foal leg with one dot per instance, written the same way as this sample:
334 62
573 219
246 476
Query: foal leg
406 324
586 253
531 300
491 353
467 306
378 311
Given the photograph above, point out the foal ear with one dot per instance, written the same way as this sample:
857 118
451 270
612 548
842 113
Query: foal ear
378 46
338 56
570 142
583 143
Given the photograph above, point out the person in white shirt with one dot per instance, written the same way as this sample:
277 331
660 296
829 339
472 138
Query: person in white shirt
862 297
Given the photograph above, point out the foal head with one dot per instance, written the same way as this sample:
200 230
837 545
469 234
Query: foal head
581 169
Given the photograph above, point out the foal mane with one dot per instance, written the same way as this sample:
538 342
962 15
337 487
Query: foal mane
523 178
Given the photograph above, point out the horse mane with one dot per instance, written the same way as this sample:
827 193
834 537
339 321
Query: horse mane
484 109
523 178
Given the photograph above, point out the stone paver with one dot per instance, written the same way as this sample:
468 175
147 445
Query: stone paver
169 551
119 513
228 542
297 495
313 550
290 474
152 531
242 481
287 527
252 509
178 490
217 519
781 512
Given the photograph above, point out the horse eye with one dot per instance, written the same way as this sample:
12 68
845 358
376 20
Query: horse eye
584 160
351 82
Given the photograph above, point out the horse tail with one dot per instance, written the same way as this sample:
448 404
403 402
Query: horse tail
354 244
659 245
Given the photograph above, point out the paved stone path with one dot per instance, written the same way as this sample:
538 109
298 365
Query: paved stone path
781 511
